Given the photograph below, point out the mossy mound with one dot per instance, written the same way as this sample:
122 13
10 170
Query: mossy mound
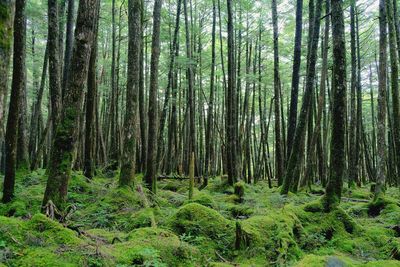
341 260
39 241
112 211
202 198
154 247
200 220
203 227
274 236
51 231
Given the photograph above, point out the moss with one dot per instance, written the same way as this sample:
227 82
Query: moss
154 246
11 231
43 257
200 220
204 227
274 235
202 199
315 206
112 210
15 208
141 218
51 231
311 260
105 236
238 189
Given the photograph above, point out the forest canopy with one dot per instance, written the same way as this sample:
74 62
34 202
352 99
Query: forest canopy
199 133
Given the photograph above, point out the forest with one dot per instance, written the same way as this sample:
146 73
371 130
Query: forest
199 133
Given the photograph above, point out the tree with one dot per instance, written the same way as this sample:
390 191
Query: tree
381 124
151 170
18 80
66 131
231 105
91 97
277 100
5 54
337 151
295 77
291 180
132 89
54 62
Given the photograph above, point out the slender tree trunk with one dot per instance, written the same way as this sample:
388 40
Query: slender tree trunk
54 62
353 160
292 172
66 132
394 75
277 100
381 129
16 91
295 77
35 125
337 151
6 24
91 97
231 105
171 74
151 171
210 110
132 90
69 39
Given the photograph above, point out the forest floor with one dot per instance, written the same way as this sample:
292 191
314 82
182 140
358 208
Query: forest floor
109 226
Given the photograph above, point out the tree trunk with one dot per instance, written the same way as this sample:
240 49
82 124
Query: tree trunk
151 171
66 131
337 151
381 124
132 89
91 97
5 55
17 84
277 101
295 77
54 62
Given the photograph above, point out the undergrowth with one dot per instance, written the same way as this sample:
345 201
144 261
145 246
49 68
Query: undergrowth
248 225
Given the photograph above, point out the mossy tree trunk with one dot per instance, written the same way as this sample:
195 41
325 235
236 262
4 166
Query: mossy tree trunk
394 79
337 149
5 55
66 131
381 122
18 80
231 105
353 157
277 100
54 62
132 89
151 171
295 77
91 97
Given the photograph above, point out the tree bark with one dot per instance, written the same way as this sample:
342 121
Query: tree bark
132 89
295 77
381 123
17 84
337 151
151 171
66 132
